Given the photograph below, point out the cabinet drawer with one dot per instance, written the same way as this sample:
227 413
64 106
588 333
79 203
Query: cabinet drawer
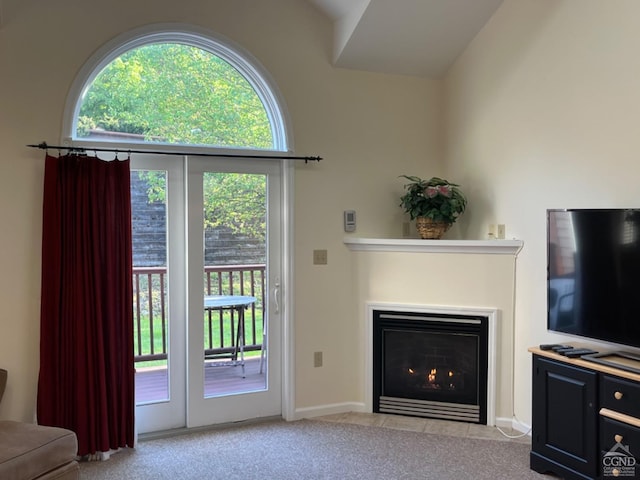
613 431
620 395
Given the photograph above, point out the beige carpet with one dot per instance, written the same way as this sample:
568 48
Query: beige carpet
312 449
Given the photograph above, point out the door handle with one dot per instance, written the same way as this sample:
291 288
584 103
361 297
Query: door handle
276 296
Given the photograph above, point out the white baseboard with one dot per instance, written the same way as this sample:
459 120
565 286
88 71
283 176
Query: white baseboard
331 409
521 427
504 422
515 424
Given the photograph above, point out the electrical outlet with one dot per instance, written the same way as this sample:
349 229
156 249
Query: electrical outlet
501 231
319 257
317 359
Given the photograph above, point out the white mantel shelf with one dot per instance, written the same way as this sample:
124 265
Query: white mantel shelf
495 247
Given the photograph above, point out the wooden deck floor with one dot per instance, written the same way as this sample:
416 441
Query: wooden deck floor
152 384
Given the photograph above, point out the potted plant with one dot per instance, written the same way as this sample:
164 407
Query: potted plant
435 204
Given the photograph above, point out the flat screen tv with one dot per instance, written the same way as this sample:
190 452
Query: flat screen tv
593 274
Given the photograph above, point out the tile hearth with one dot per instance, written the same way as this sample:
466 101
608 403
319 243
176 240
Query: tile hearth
427 425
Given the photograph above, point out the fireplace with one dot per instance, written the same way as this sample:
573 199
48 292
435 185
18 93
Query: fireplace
431 364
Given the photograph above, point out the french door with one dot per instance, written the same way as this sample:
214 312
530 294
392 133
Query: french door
213 368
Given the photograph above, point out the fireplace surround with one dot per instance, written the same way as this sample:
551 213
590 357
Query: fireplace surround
464 276
434 362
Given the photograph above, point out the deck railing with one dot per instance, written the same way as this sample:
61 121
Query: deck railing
151 313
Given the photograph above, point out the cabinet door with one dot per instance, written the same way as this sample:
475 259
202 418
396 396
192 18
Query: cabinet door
564 419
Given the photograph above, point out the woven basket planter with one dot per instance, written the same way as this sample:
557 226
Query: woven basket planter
430 229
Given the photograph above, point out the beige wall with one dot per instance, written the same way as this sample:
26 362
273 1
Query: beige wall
369 128
542 111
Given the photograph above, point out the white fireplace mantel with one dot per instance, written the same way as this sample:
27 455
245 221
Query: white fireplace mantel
497 247
429 274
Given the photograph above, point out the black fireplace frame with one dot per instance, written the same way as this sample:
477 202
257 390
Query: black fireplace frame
452 323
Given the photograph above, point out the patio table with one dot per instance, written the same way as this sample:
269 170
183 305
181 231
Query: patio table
239 303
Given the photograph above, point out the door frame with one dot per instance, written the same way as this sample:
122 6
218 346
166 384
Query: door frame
203 410
287 294
170 414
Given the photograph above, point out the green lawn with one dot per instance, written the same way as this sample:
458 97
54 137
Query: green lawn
145 330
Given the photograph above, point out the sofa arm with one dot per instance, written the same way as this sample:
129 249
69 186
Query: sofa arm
3 382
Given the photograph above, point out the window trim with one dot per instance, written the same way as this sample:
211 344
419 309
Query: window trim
235 55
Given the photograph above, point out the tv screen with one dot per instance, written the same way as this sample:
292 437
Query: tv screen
593 274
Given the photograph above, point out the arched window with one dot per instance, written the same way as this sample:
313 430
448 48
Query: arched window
175 86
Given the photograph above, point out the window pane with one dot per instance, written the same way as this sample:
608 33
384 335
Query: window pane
234 233
150 285
176 94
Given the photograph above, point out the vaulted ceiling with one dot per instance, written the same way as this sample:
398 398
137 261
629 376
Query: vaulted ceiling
407 37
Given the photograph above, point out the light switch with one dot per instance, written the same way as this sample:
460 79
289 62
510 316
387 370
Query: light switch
319 257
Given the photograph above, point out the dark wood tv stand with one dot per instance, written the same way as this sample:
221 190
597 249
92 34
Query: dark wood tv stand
584 414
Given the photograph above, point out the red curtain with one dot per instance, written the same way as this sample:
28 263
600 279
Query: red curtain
86 381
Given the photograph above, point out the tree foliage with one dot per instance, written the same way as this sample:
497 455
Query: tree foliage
236 201
176 93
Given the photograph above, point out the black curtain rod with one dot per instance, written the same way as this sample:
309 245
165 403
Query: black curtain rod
45 146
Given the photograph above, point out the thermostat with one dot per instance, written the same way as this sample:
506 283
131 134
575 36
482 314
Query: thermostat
349 220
